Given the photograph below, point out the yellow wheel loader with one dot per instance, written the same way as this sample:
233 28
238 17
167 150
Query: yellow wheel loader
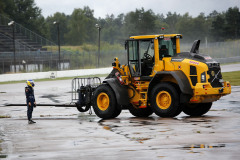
159 78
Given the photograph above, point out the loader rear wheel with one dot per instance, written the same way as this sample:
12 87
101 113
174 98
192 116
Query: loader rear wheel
196 109
141 112
105 105
165 100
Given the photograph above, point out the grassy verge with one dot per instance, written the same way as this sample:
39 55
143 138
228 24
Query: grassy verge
232 77
48 79
222 64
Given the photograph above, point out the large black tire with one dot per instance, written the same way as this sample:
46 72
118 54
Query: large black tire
196 109
141 112
179 110
165 100
104 102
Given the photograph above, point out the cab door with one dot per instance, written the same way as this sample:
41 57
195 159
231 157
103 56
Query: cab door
140 57
133 58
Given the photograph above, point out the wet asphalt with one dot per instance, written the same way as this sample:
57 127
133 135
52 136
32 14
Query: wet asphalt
64 133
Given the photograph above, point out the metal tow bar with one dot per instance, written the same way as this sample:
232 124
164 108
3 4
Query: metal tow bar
81 94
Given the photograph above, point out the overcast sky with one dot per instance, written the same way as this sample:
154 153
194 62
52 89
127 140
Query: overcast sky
103 7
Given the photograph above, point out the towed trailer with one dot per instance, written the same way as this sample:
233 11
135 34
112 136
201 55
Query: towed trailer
81 94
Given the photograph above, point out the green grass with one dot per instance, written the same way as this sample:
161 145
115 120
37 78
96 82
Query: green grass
48 79
232 77
105 47
222 64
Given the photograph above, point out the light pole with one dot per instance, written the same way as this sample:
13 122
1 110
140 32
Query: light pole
12 24
99 30
59 63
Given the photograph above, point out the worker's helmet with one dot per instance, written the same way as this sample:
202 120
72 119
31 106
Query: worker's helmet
30 83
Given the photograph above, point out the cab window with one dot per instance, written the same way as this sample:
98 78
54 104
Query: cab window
167 47
146 49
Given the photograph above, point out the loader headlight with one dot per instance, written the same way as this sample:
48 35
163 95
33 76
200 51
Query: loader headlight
203 77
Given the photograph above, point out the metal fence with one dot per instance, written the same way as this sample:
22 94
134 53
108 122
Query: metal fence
32 51
28 61
4 20
37 61
31 61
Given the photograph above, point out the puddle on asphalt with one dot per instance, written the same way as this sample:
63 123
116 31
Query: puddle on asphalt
193 146
27 156
166 130
117 126
139 139
87 118
234 102
106 127
16 110
51 97
235 109
80 142
60 115
3 156
113 125
196 120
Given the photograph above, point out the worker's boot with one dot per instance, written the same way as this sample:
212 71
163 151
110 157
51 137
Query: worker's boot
31 122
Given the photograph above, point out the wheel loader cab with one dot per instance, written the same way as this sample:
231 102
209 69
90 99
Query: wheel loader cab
146 51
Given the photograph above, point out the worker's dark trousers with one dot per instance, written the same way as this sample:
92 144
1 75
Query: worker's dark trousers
29 112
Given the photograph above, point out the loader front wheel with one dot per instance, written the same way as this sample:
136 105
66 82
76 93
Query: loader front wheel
105 105
165 100
196 109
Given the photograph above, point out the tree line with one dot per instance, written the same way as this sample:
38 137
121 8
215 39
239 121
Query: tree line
79 27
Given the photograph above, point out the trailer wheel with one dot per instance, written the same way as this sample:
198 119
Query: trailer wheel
141 112
196 109
83 108
105 104
165 100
